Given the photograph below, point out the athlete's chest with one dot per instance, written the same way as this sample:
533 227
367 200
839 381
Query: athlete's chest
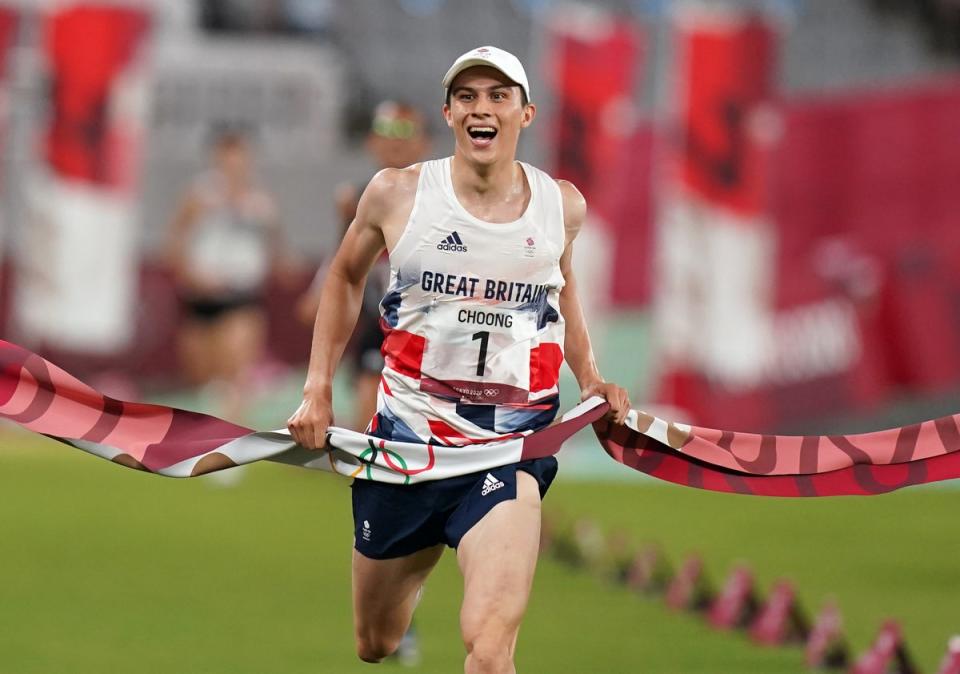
458 253
496 211
457 248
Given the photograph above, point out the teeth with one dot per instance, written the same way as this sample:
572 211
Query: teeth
488 129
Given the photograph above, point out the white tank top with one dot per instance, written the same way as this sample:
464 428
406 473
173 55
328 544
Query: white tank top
473 331
230 241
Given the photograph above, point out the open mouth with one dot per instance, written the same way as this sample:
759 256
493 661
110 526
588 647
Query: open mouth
481 135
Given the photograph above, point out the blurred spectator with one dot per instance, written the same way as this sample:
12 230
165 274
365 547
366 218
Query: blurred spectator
225 239
397 138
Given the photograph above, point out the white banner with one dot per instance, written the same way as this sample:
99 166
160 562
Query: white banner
76 268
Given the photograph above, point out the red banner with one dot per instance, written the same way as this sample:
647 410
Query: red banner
601 142
727 70
866 207
9 21
810 256
88 46
713 305
592 73
77 265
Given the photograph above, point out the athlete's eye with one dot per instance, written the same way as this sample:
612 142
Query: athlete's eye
498 95
464 97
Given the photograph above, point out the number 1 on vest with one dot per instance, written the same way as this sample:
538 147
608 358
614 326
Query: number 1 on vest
484 337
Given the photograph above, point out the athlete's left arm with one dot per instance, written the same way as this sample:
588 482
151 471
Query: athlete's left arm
578 351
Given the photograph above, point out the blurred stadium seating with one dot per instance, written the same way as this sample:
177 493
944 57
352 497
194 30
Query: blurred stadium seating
810 278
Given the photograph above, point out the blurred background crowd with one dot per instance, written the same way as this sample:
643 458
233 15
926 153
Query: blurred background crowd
774 239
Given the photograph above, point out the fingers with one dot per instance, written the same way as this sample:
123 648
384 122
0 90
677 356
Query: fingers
294 425
294 429
319 436
619 403
308 427
616 397
308 435
623 407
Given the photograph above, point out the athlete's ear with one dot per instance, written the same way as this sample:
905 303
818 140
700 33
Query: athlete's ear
529 112
447 115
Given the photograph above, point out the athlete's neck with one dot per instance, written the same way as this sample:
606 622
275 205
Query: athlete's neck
499 181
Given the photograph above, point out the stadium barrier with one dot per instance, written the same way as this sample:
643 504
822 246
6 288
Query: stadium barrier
951 661
887 654
780 620
737 605
649 571
826 646
690 589
777 621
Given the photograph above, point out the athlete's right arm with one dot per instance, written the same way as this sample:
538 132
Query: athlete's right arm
340 301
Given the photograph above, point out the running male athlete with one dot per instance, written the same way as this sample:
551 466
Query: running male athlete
481 302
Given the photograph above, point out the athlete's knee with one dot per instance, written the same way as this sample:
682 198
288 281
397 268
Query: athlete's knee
375 647
489 654
489 643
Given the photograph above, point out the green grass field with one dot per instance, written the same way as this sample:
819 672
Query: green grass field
110 570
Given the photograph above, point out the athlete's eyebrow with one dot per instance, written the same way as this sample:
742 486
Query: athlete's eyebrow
473 90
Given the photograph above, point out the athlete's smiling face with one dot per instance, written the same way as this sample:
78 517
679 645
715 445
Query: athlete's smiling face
486 113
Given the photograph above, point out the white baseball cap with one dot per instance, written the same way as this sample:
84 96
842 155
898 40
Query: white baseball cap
493 57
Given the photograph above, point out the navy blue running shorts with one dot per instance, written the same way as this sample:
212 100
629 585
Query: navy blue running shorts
395 520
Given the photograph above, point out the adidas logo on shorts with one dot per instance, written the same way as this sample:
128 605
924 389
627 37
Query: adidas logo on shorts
452 243
490 483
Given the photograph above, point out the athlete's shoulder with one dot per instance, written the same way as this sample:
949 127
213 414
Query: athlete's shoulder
391 182
570 193
388 189
574 207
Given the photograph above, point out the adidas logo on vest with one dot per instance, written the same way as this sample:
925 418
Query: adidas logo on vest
490 483
452 243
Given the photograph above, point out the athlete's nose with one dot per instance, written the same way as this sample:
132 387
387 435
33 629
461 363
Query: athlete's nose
482 106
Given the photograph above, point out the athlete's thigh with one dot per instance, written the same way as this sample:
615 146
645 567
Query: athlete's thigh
385 590
196 343
241 335
498 558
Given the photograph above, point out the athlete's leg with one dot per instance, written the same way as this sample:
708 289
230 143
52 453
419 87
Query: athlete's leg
498 557
384 596
196 351
240 338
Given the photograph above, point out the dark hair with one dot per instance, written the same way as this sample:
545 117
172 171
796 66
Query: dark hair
229 134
